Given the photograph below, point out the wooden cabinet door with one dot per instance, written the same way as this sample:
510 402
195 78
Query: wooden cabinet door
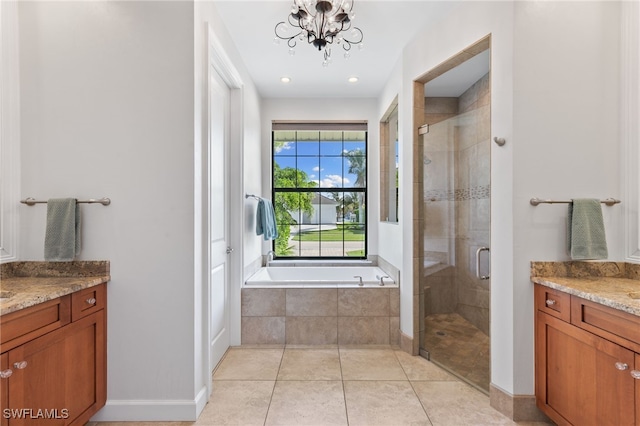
582 379
637 381
85 361
61 372
38 380
4 388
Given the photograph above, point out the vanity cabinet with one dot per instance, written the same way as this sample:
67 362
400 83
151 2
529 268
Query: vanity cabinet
587 362
54 357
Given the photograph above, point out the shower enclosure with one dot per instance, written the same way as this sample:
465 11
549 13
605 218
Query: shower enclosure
455 220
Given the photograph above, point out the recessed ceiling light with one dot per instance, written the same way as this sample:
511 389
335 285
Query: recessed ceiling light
285 79
353 79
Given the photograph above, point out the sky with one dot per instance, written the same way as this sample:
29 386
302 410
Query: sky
321 161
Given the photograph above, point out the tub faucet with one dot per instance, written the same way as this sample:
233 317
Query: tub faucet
270 255
381 278
360 283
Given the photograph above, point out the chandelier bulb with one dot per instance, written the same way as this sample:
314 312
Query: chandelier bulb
360 46
347 54
352 15
276 40
325 63
292 51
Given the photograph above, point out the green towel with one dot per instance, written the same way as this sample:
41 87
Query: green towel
585 230
62 237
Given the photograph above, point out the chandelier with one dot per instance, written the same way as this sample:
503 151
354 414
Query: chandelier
322 23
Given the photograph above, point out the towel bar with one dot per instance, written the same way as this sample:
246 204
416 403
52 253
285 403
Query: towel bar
536 201
252 196
104 201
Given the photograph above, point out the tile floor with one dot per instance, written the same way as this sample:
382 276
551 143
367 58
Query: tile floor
338 386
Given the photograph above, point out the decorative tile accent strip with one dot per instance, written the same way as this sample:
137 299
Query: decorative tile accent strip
474 193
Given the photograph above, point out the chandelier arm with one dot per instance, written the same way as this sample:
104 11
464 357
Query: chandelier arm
357 40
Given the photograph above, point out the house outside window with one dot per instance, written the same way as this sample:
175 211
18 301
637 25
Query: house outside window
319 173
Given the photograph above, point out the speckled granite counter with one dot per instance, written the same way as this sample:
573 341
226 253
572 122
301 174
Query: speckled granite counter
24 284
613 284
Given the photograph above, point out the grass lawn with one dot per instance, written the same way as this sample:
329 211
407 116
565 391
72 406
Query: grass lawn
351 233
356 253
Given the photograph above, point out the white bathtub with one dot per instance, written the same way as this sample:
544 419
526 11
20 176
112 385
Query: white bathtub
318 277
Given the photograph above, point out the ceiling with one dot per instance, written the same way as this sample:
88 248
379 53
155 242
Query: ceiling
387 26
456 81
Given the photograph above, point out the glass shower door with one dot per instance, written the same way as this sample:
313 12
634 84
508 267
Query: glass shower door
454 294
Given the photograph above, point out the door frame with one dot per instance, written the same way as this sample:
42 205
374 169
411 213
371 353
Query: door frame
218 61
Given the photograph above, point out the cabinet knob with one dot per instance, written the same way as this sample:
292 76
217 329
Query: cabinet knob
5 374
621 366
550 302
91 301
21 365
635 374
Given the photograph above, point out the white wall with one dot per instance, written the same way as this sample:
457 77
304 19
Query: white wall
107 110
111 95
566 140
329 109
555 101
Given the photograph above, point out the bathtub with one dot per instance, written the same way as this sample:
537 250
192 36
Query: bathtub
318 277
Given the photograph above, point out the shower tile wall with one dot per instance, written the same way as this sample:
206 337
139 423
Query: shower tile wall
457 203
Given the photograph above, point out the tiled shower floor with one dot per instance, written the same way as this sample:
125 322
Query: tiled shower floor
459 346
338 386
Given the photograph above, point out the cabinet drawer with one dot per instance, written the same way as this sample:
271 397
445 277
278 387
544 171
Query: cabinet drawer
87 301
21 326
612 324
553 302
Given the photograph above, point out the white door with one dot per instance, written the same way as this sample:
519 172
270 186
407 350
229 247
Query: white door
218 217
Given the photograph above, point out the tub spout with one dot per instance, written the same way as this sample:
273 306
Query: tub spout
270 255
360 278
381 278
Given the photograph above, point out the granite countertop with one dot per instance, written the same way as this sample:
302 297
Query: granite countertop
24 284
613 284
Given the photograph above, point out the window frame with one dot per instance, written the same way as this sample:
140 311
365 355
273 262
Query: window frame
320 127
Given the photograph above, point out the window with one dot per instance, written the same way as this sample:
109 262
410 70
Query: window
320 190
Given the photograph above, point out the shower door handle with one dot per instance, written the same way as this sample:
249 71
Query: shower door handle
480 250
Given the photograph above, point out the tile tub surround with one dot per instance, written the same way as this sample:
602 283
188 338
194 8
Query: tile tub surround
321 316
607 283
31 283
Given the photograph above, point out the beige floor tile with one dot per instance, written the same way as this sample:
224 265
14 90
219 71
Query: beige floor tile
456 403
370 364
307 403
310 364
383 403
418 368
238 402
249 364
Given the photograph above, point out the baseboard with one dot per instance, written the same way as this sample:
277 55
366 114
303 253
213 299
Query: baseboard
519 408
406 344
152 410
